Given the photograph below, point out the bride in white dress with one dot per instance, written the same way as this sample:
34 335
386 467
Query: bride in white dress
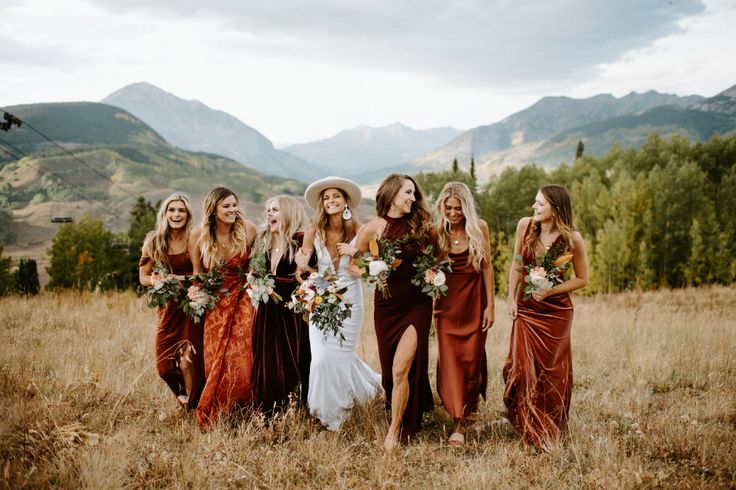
338 378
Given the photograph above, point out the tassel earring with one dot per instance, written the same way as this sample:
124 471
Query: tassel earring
347 214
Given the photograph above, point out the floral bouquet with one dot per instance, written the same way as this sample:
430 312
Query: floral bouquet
546 275
381 261
430 275
165 288
322 295
258 282
203 294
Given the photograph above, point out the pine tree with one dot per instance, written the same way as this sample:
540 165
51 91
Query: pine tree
455 166
580 149
26 277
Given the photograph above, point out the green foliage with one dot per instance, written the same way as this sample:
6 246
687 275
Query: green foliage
7 231
7 285
82 257
658 216
431 183
142 220
26 277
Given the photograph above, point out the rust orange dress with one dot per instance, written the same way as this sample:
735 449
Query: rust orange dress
405 306
538 370
462 373
175 332
228 348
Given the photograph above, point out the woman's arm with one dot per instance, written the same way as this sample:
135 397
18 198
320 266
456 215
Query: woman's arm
145 270
488 280
250 232
195 255
304 253
579 263
514 273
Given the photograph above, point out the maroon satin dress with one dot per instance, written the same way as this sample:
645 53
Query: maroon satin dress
462 372
282 353
405 306
175 332
538 370
228 347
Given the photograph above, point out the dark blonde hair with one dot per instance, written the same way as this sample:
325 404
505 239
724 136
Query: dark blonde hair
559 200
156 244
208 241
476 248
419 216
292 219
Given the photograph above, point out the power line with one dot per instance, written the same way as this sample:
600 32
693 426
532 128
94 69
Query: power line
68 152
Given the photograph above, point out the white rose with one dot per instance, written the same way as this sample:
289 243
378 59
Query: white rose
439 279
376 267
541 282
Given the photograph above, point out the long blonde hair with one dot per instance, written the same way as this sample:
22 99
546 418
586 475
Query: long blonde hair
476 247
559 199
292 219
208 241
321 220
156 244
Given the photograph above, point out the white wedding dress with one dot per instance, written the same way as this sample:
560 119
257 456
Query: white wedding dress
338 378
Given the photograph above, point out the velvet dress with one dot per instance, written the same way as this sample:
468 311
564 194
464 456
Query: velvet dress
538 370
174 333
281 344
406 305
462 373
228 347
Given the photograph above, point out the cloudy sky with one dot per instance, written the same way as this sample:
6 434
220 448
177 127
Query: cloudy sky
299 70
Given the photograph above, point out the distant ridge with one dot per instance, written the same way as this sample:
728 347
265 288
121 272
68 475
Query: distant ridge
191 125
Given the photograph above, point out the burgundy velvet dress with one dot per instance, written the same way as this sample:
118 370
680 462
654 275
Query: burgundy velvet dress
281 354
405 306
462 373
175 331
538 370
228 348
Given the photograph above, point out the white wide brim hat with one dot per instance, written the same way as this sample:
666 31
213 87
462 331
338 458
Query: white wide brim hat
351 189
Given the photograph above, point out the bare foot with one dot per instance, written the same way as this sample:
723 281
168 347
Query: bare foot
183 399
391 443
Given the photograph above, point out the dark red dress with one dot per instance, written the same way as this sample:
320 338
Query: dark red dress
405 306
281 354
462 373
228 348
538 370
175 331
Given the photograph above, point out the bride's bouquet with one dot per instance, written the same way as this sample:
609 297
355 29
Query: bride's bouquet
258 282
166 287
322 296
205 291
545 275
430 275
381 262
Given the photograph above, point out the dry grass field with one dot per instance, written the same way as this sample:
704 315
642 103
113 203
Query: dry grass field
654 405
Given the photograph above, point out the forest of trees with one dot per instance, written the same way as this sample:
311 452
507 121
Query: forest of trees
658 216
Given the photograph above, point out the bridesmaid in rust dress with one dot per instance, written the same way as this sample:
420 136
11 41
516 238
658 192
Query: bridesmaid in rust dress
224 242
179 357
403 318
463 317
538 370
280 337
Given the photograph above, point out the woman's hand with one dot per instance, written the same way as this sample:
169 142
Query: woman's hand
301 259
346 249
488 318
541 294
513 308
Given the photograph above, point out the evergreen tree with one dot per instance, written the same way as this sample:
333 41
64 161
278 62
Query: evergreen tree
472 168
142 220
26 277
6 278
580 149
455 167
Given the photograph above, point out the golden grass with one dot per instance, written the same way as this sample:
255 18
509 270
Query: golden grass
653 406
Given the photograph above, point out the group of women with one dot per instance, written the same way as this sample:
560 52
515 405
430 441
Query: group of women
264 357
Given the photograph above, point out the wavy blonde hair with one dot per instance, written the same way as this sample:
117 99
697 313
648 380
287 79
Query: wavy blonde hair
156 243
321 220
292 219
559 199
208 240
476 247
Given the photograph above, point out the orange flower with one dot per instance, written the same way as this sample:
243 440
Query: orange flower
373 247
563 259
